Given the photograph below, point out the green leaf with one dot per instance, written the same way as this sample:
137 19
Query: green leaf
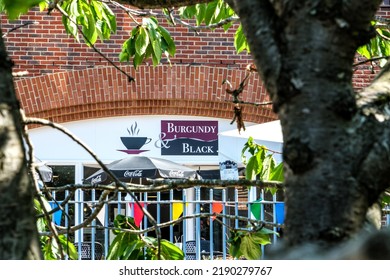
151 22
113 251
235 243
265 230
43 6
68 247
170 251
109 17
250 248
277 173
210 12
157 52
240 42
154 35
137 60
124 56
261 238
149 51
268 166
15 8
132 250
363 50
227 26
131 47
187 12
70 22
200 13
89 26
120 244
142 41
260 158
171 47
251 168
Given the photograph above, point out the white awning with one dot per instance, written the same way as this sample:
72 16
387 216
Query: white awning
270 131
268 134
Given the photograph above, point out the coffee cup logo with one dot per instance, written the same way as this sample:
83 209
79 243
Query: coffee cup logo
134 143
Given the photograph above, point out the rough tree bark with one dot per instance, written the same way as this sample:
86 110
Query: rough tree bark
335 150
18 232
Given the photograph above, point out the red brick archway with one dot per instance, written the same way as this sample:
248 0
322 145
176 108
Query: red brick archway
105 92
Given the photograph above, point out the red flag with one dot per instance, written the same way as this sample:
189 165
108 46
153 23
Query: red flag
217 208
138 213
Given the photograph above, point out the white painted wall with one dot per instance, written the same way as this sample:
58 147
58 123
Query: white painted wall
103 137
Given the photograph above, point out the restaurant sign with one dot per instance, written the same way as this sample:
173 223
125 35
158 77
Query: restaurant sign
196 138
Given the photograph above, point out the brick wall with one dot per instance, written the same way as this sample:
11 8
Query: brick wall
68 81
46 48
105 92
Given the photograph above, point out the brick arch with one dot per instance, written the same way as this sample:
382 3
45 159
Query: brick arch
105 92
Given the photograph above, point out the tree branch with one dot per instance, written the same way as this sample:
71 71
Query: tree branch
166 185
129 78
170 17
18 27
375 99
259 21
374 104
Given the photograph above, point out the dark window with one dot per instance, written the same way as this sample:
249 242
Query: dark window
386 3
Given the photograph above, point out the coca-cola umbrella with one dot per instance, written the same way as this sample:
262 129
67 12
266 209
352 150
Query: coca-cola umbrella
141 167
45 172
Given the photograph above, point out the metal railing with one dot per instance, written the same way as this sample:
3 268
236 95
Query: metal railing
205 215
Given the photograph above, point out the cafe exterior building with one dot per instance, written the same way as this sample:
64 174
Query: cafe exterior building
179 111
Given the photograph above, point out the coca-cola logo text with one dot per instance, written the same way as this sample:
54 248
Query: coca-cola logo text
96 180
176 173
132 174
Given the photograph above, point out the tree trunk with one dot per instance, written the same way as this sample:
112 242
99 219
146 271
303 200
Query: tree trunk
336 155
18 232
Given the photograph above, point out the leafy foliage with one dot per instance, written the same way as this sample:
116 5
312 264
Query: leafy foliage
50 248
240 42
148 40
214 13
261 164
247 243
379 46
209 13
15 8
385 201
131 246
95 18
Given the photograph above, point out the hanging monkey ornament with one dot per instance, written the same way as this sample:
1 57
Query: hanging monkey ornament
237 117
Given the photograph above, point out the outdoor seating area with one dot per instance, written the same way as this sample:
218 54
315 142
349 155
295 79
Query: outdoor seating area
205 216
204 234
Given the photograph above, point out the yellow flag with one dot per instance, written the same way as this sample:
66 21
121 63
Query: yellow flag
177 209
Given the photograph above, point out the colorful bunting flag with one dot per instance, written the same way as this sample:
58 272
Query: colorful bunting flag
217 207
138 213
279 210
177 210
57 215
256 208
